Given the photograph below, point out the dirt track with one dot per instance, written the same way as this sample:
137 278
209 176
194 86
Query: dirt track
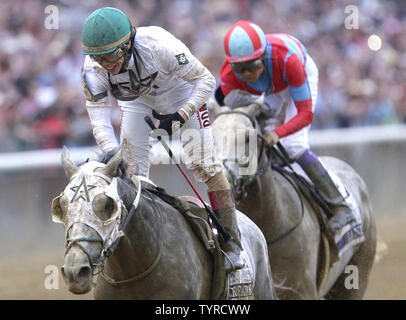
24 277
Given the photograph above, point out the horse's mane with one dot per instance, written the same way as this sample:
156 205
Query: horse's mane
105 157
126 193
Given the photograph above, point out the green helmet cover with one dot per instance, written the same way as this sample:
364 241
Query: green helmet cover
105 30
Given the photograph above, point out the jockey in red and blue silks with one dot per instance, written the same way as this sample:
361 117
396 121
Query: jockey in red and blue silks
278 67
284 67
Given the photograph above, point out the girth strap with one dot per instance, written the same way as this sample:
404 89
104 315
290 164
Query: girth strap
203 230
199 224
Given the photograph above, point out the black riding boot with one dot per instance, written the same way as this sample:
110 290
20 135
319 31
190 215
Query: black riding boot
342 212
227 216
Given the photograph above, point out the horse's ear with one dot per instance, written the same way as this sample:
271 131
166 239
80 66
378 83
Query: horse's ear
67 164
111 167
214 108
253 109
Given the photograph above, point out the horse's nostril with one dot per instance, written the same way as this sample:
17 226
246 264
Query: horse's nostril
84 272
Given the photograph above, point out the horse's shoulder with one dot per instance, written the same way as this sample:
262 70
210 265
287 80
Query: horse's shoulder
335 164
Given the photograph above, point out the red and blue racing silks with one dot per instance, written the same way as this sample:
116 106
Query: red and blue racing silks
284 67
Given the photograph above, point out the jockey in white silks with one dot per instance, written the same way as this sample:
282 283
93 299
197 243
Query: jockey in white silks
150 72
278 68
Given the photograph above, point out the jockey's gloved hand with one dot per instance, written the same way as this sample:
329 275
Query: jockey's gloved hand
169 122
271 138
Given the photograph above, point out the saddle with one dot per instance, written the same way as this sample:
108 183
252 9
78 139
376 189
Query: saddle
198 219
328 247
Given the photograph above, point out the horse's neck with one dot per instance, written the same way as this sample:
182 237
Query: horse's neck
144 232
142 241
263 193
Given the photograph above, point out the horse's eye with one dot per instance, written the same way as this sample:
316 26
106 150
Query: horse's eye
103 206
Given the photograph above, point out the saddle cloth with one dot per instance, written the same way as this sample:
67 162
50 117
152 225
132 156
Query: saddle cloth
235 285
347 237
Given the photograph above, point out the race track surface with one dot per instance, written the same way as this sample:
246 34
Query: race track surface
23 274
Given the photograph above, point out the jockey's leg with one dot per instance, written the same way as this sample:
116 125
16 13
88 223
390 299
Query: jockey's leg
343 219
314 168
222 203
201 160
136 131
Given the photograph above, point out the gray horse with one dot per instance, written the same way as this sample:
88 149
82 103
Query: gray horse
158 255
297 247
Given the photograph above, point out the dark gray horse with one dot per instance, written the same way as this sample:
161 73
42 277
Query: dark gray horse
158 255
276 206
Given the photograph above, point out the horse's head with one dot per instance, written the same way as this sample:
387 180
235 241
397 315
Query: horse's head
235 133
91 211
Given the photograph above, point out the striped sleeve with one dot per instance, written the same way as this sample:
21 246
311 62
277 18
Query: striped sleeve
295 76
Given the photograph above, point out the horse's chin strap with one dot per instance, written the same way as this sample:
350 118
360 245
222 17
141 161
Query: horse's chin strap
137 181
107 252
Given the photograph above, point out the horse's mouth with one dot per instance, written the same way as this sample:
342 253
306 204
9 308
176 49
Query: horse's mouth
80 283
80 290
82 287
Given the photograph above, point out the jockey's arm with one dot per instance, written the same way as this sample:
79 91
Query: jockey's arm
98 107
179 59
300 91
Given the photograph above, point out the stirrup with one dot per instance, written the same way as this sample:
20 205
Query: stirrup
228 262
340 220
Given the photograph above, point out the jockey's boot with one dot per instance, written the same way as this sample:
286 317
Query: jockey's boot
223 206
342 212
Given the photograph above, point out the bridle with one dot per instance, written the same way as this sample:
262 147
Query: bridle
239 184
145 273
107 251
240 190
70 242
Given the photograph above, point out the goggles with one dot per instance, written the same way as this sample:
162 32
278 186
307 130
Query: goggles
251 65
111 57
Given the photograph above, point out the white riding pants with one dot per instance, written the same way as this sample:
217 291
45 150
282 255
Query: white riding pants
195 136
281 108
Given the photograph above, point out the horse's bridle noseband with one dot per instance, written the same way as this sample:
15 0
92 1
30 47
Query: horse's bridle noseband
108 251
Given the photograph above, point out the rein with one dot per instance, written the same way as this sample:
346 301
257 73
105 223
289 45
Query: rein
240 191
246 182
137 181
107 252
145 273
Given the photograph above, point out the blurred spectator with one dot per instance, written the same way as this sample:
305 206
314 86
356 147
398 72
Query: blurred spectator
41 100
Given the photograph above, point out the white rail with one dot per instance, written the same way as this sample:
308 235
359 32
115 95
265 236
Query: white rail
351 136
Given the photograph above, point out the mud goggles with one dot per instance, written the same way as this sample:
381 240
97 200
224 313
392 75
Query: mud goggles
111 57
252 65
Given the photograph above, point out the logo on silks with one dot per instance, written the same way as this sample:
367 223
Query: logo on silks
182 59
135 87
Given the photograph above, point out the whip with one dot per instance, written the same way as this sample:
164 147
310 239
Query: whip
222 231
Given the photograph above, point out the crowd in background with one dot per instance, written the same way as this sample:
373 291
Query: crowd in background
42 104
